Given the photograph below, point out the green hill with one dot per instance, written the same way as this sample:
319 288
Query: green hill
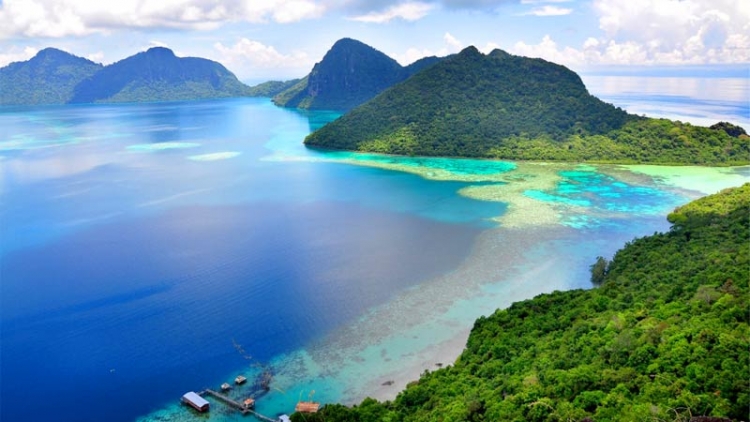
271 88
349 74
664 338
509 107
159 75
47 78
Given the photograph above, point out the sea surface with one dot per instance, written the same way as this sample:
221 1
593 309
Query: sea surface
148 250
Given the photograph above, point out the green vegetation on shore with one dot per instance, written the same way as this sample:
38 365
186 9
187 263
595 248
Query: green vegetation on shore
665 337
508 107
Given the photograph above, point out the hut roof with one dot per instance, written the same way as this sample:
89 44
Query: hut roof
195 399
307 407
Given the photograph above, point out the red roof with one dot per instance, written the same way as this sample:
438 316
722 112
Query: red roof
307 407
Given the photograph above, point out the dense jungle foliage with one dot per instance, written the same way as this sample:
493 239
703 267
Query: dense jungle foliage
47 78
509 107
664 338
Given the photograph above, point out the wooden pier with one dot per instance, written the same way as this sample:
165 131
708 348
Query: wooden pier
235 404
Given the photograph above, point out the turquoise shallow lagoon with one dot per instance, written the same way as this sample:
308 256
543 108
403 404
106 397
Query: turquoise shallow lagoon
142 243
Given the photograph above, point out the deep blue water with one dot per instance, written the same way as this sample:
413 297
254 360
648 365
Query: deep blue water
128 271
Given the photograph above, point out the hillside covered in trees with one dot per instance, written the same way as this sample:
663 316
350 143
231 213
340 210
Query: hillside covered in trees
158 75
271 88
56 77
349 74
665 337
509 107
47 78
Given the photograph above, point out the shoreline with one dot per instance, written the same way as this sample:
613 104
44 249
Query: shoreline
391 345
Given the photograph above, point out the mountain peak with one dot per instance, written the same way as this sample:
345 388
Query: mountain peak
160 52
470 51
57 55
350 73
47 78
348 42
51 51
158 75
499 54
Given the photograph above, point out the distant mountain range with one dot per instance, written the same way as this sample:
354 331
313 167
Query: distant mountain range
56 77
511 107
350 73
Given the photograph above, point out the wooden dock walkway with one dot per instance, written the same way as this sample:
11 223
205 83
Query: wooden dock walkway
235 404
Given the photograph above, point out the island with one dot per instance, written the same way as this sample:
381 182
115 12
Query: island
501 106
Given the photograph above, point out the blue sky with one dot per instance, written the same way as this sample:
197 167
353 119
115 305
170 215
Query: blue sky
281 39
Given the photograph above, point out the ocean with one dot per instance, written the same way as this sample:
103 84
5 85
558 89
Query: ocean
147 250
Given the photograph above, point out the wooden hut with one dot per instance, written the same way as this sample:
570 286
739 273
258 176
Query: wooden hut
307 407
197 402
240 380
225 386
249 403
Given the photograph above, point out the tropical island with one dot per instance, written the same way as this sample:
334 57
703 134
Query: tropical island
664 336
501 106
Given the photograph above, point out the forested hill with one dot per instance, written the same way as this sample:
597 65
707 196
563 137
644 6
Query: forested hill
510 107
47 78
159 75
271 88
349 74
664 338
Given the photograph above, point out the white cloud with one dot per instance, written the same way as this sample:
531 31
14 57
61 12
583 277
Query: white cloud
452 41
246 56
156 43
450 45
489 47
548 10
547 49
97 57
60 18
16 55
651 32
411 11
693 28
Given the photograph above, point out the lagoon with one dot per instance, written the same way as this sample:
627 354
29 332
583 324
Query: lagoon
141 243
